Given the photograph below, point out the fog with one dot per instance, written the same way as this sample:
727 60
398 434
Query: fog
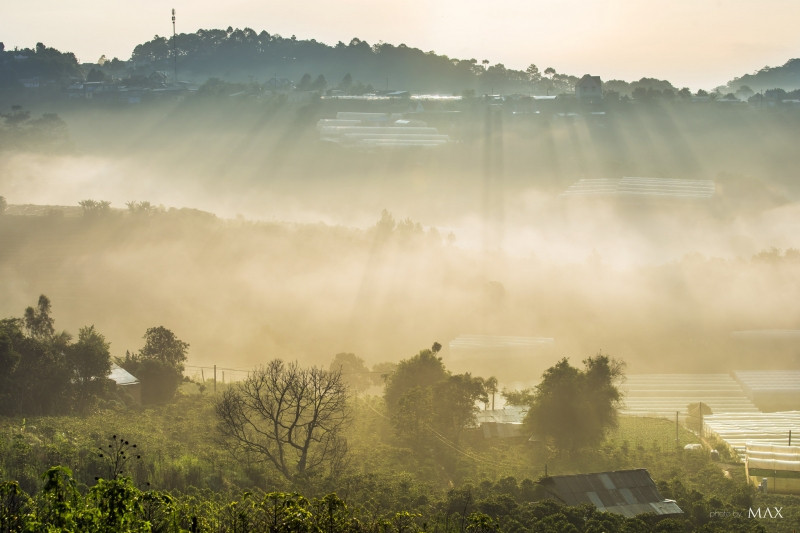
270 243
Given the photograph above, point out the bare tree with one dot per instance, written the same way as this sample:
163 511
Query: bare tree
289 416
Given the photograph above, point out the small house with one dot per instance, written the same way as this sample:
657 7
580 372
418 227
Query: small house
126 382
625 492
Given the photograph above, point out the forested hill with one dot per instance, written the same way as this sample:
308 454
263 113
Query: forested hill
786 77
243 54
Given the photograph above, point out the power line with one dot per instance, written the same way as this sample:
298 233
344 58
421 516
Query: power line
448 442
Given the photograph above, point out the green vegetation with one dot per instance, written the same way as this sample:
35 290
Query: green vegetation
193 479
158 365
166 468
426 402
45 372
570 408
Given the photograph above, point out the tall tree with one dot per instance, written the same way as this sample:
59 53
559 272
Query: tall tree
90 361
38 321
288 416
571 408
423 398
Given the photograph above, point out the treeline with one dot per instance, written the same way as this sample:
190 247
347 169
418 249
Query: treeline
241 54
46 372
238 55
786 77
40 67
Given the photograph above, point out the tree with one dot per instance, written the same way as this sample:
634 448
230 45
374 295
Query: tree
288 416
346 82
354 372
36 376
90 361
46 373
95 208
533 73
158 365
38 321
319 84
423 397
574 408
162 344
490 384
305 82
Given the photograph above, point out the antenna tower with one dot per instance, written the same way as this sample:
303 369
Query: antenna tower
174 48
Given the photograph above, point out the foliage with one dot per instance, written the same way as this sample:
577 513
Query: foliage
163 345
289 416
117 505
354 371
45 372
199 483
424 400
38 321
574 409
94 208
158 365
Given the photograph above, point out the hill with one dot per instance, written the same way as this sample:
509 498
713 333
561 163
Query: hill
786 77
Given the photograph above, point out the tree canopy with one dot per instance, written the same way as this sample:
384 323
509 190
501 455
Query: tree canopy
571 408
158 365
46 373
423 398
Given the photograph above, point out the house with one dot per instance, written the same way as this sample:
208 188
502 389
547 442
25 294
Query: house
126 382
505 423
589 89
626 492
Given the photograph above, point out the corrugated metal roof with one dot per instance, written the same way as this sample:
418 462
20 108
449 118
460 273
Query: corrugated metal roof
509 414
121 376
625 492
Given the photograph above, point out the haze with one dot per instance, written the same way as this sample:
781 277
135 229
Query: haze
316 249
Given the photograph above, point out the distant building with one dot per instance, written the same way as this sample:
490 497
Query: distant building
505 423
126 382
589 89
625 492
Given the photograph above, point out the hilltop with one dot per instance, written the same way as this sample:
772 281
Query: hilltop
280 63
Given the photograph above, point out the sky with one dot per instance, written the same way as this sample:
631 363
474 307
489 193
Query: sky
692 43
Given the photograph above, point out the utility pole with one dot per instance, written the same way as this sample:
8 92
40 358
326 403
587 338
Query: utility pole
174 48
